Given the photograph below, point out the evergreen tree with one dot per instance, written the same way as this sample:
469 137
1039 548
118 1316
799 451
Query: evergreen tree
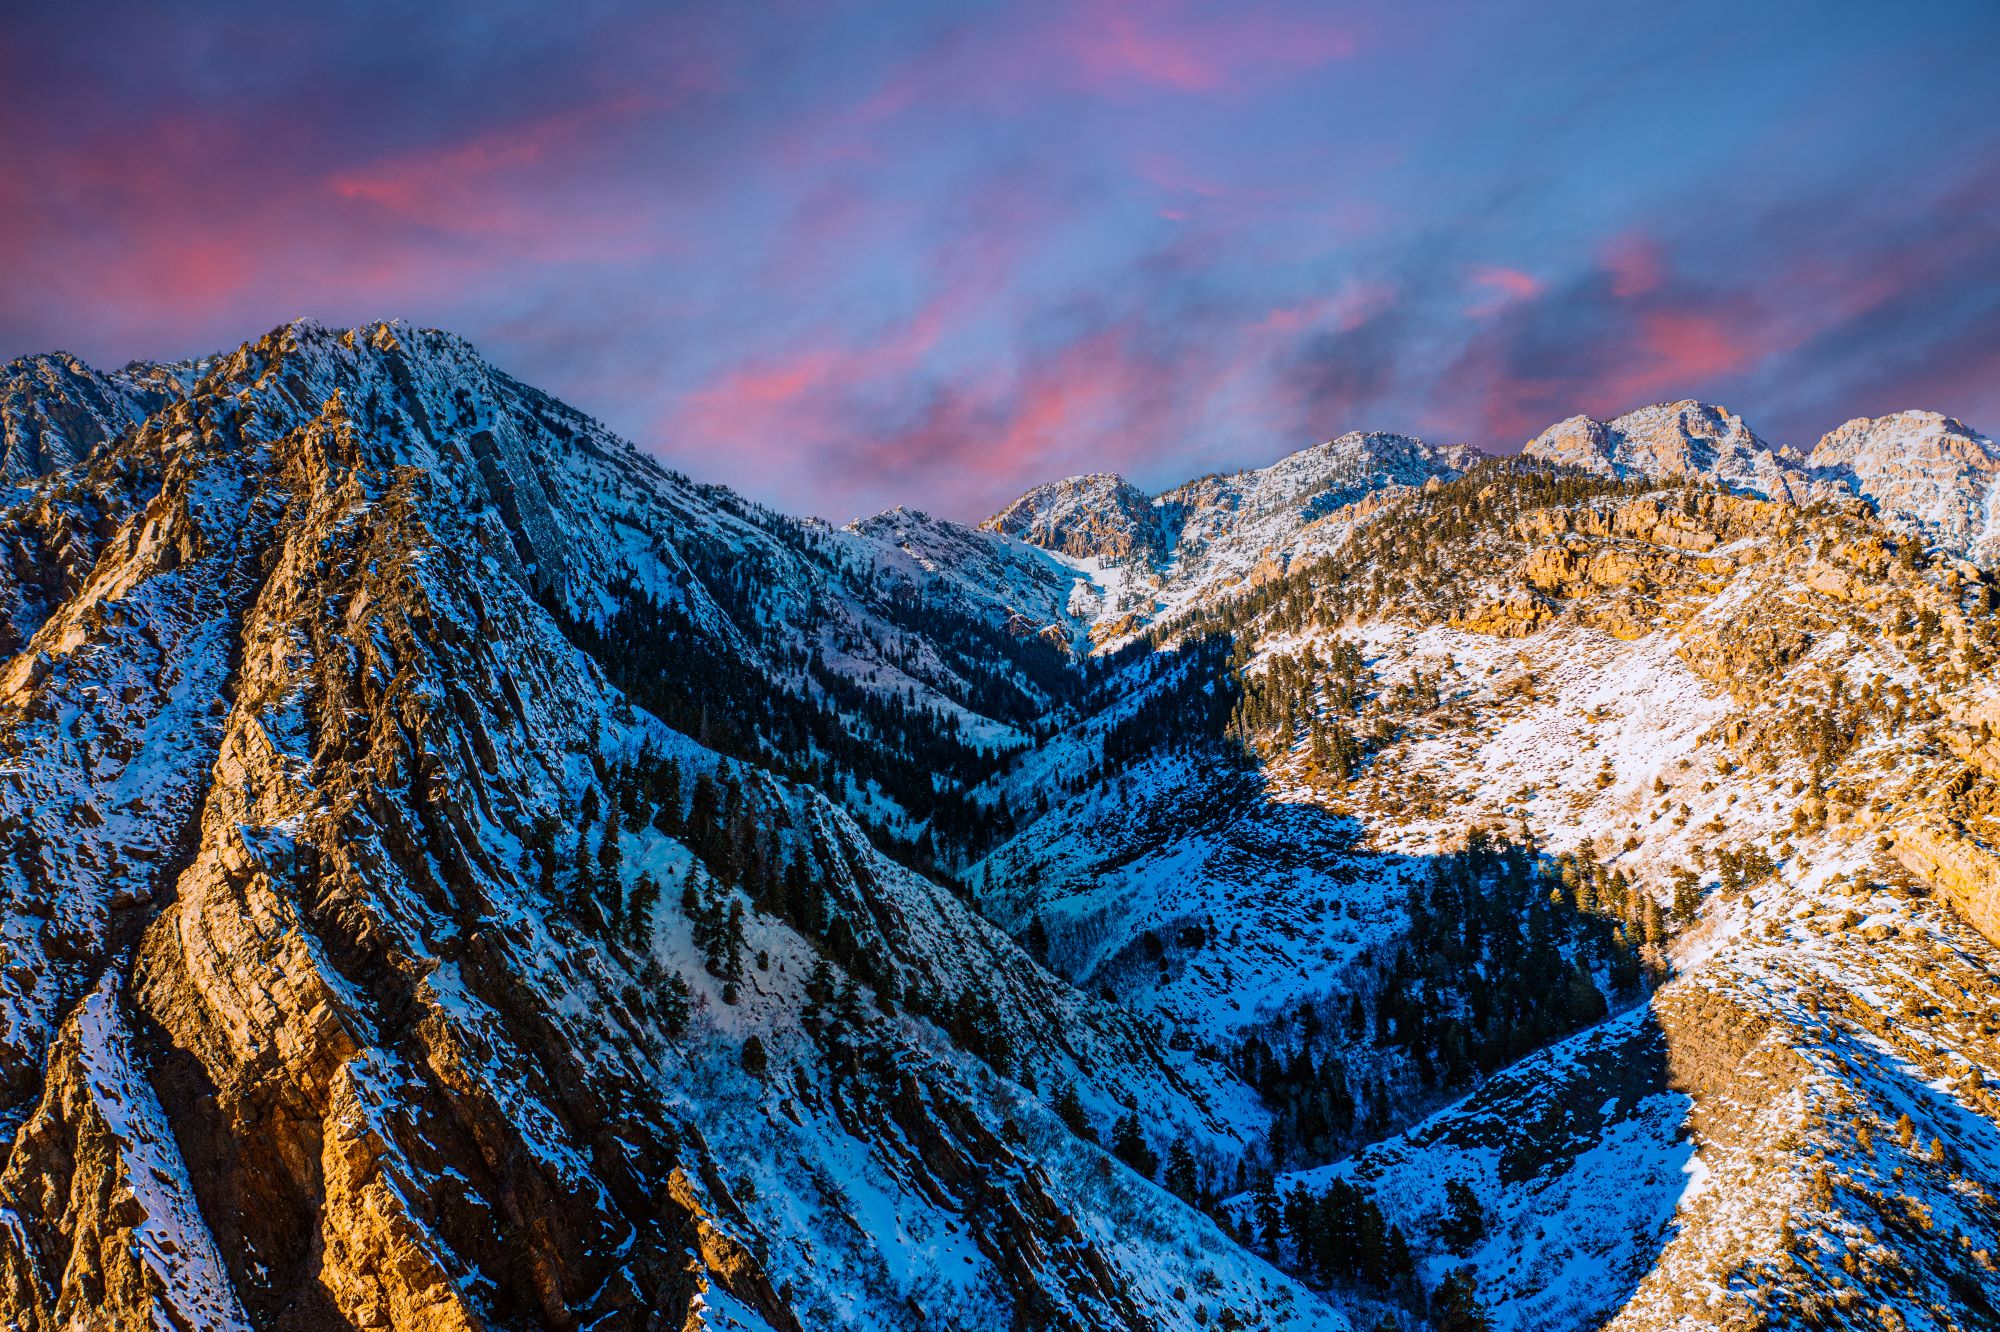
1069 1109
639 916
1038 940
610 863
1455 1305
667 791
1182 1179
1270 1219
673 1003
1128 1144
1687 896
1464 1223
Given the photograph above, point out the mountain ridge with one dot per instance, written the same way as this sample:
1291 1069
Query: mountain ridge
459 872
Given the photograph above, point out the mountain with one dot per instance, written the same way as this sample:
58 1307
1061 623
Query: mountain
459 873
1144 556
1677 439
1587 860
1926 473
374 960
54 409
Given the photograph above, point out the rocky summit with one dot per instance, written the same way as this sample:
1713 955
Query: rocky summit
456 873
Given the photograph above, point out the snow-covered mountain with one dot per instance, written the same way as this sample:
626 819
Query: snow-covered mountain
1674 440
374 960
1143 557
1743 723
458 873
1926 473
54 409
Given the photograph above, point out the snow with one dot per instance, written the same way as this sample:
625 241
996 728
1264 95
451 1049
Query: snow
1611 1182
170 1236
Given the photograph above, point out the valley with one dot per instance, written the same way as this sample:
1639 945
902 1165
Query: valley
459 873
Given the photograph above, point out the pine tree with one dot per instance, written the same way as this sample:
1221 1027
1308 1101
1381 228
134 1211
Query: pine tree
732 941
1038 940
610 862
1270 1219
1455 1305
639 917
1128 1144
673 1003
755 1062
1464 1223
667 792
1399 1266
1687 897
1182 1179
1069 1109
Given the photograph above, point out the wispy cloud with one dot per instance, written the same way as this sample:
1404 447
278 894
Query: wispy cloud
851 255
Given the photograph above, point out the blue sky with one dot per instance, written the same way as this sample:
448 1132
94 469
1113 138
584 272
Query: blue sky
845 256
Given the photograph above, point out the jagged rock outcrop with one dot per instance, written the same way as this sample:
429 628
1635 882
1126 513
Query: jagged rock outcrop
1926 474
1216 534
456 873
1101 516
1678 439
103 1226
54 409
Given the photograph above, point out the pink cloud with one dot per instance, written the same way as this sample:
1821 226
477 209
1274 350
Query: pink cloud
1348 309
1635 264
1101 48
1503 287
516 185
1689 347
1115 44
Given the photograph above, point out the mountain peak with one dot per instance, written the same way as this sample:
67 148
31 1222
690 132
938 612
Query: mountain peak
1687 438
1100 514
55 408
1925 472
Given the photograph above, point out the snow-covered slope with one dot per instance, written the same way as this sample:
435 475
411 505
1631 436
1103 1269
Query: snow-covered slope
455 872
1673 440
1143 559
1101 515
374 960
1745 739
1925 473
54 409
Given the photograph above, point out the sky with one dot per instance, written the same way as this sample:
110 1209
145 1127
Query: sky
846 256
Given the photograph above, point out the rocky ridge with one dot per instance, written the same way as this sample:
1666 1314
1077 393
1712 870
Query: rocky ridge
1750 731
461 874
289 732
1927 473
1142 557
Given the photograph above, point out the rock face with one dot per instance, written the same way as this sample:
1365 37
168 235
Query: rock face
1151 556
1674 440
54 409
1925 473
456 873
1756 731
98 1168
1102 516
371 961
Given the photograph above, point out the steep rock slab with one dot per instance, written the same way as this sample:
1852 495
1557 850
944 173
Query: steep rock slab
98 1214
